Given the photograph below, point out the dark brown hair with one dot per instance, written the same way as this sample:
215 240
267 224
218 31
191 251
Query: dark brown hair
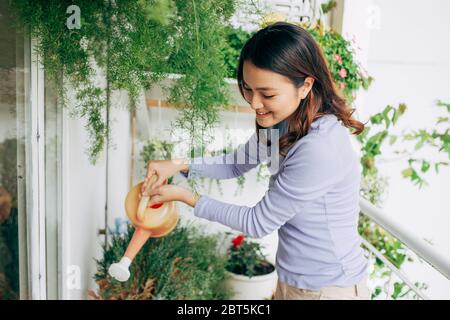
291 51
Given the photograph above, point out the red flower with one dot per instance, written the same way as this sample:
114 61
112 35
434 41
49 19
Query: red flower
238 240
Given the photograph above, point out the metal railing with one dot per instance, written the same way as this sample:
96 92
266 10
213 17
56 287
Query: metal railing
421 248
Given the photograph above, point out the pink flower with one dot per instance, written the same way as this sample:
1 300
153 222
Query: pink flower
338 58
343 73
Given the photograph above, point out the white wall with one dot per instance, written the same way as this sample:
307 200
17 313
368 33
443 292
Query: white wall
83 210
118 157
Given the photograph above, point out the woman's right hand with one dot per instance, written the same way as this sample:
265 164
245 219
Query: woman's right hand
164 169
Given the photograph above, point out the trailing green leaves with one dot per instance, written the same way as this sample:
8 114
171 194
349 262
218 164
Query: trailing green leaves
201 91
133 44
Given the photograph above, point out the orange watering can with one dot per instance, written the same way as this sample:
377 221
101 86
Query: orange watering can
155 221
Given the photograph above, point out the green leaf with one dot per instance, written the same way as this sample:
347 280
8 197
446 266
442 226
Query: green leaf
392 139
328 6
443 104
442 120
377 292
402 108
436 165
386 115
407 173
419 145
397 289
376 119
395 117
425 166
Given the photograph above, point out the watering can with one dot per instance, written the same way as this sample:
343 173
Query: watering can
150 222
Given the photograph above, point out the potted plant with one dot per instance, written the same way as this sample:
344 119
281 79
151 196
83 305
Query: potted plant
251 275
184 265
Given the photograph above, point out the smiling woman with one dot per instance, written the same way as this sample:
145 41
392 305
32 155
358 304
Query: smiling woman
313 195
284 58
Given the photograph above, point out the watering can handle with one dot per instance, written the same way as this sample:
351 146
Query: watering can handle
145 199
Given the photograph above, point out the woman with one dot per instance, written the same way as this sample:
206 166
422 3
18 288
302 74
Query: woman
313 194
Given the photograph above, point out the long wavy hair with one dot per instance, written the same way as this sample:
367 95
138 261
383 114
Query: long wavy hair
291 51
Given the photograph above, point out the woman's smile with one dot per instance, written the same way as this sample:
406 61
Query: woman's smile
263 115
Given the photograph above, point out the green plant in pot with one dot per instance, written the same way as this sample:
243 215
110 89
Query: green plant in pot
185 264
252 276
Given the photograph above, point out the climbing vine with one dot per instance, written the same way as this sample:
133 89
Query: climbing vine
377 134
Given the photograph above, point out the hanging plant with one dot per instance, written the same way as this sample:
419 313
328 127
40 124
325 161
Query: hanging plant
228 149
132 44
118 38
156 149
201 91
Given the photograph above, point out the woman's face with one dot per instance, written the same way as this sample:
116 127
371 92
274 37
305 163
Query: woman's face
271 95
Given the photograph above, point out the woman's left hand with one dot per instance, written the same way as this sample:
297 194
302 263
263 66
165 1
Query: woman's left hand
169 192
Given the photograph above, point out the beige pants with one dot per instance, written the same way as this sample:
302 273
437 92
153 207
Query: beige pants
359 291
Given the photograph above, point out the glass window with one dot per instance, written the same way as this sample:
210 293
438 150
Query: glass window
13 73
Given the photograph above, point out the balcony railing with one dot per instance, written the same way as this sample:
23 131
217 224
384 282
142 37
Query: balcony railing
421 248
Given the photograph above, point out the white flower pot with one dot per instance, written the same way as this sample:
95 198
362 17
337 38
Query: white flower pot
254 288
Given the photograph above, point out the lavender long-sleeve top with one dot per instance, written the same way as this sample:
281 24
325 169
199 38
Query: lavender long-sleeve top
312 200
